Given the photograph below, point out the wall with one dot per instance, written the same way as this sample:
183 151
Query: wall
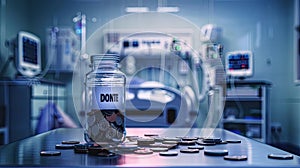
14 18
263 26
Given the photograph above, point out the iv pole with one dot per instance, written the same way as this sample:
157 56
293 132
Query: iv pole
80 24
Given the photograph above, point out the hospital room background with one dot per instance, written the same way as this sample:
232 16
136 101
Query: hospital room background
266 28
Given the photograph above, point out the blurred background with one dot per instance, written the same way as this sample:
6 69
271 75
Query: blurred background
259 98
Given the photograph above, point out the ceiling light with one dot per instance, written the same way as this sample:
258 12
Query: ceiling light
137 9
168 9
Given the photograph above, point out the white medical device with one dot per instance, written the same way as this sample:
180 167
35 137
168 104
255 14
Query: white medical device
210 33
239 64
28 54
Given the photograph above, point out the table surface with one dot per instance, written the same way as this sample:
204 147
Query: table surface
27 152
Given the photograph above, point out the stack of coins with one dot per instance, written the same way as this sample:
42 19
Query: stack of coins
105 126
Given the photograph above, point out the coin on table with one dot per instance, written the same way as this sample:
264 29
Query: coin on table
189 150
236 157
216 152
187 143
143 152
151 135
127 147
281 156
200 142
196 147
131 143
64 146
222 143
50 153
160 145
233 141
170 142
159 149
189 138
70 142
212 140
169 153
172 139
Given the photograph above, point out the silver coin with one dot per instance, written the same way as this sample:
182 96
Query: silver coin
159 149
143 152
281 156
236 157
216 152
169 153
196 147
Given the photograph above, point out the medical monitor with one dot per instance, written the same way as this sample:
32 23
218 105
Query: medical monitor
28 54
239 64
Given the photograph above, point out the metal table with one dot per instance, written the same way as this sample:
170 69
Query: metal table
27 152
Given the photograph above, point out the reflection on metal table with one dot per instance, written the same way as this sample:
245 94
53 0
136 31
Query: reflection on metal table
27 152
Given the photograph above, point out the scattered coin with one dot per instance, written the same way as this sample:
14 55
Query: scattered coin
187 143
233 141
70 142
143 152
236 157
158 139
216 152
50 153
196 147
169 153
151 135
172 139
222 143
212 140
200 142
160 145
189 138
159 149
281 156
126 147
131 143
64 146
189 150
170 142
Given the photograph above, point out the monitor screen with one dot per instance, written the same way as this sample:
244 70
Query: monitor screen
30 48
28 55
239 64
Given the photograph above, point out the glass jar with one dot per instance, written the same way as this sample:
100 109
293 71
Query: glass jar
105 101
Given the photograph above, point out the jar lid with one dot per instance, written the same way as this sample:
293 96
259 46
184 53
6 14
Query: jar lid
105 57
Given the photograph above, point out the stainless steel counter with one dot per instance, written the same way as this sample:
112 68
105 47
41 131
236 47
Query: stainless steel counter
27 152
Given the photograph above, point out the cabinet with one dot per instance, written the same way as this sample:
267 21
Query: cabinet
20 105
246 109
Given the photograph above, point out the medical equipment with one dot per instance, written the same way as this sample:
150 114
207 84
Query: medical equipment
62 48
162 71
239 64
210 33
28 54
163 79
